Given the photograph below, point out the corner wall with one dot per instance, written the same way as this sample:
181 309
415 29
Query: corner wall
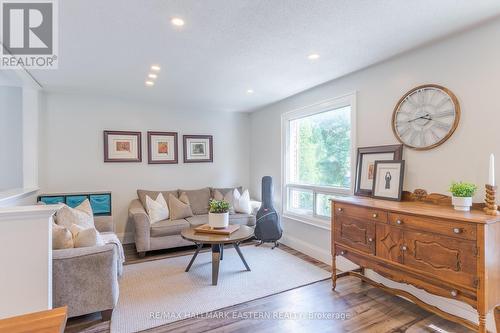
467 64
11 138
72 149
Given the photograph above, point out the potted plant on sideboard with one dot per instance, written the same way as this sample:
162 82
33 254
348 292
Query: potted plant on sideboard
218 214
462 195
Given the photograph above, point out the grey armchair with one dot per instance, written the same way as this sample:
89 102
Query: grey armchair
86 279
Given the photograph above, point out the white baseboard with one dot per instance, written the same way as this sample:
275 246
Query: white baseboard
454 307
317 252
307 248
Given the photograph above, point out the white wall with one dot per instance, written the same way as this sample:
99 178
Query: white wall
19 140
72 149
11 138
468 64
30 138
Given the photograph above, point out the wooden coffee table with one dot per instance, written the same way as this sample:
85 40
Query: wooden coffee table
217 242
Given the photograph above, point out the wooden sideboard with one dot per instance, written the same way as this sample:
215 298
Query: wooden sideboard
48 321
435 248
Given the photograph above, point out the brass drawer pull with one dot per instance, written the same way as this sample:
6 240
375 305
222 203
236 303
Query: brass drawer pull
399 222
404 248
374 215
340 209
457 230
454 293
370 239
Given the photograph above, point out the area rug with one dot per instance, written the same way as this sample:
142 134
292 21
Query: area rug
159 292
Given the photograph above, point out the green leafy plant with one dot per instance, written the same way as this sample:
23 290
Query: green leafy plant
218 206
463 190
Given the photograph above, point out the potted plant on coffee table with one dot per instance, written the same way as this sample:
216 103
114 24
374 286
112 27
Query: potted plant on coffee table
462 195
218 215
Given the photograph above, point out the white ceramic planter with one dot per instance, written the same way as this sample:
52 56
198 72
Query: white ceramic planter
220 220
461 203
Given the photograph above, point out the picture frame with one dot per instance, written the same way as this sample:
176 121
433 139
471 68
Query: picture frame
388 180
162 147
198 148
122 146
365 165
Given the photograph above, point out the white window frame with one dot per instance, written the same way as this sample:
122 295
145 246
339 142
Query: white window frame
323 106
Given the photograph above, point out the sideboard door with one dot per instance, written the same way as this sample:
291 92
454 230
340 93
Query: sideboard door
453 260
389 243
356 233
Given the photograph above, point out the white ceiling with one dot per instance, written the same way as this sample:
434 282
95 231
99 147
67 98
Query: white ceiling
229 46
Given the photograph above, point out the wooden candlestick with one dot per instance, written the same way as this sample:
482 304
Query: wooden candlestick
491 207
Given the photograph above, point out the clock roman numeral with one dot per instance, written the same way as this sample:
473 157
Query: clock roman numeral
410 101
441 125
434 135
445 113
422 138
442 102
421 95
412 137
403 129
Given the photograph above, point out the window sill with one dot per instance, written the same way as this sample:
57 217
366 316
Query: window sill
310 220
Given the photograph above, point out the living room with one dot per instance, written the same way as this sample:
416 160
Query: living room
286 121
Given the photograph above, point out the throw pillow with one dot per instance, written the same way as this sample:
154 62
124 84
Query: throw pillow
198 199
224 190
85 237
179 208
157 209
229 197
81 215
141 194
242 202
61 237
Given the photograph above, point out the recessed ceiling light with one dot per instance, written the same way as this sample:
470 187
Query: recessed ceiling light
155 68
249 91
149 83
152 76
313 56
177 21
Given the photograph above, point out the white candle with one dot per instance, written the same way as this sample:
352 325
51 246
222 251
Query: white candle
491 178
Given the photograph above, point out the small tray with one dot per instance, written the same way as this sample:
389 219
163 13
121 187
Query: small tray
207 229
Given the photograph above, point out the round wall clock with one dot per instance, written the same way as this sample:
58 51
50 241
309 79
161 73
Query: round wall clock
425 117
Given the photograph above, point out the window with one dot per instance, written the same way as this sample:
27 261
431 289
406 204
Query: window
318 158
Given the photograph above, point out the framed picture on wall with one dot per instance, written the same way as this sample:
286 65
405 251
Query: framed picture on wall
162 148
365 165
388 180
122 146
198 148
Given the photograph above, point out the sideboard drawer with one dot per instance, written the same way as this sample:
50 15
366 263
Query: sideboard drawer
360 212
439 226
356 233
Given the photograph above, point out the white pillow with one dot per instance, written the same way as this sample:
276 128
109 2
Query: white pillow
85 237
157 209
228 197
81 215
242 202
61 237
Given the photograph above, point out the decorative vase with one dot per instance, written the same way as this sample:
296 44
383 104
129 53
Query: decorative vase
462 203
218 220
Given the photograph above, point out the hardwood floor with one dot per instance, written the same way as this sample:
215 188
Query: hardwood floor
353 307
